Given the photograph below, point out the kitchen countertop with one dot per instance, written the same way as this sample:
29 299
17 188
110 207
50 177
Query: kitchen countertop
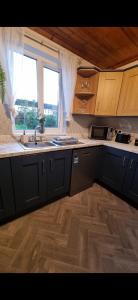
10 149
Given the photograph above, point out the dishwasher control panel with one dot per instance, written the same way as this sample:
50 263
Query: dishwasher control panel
75 159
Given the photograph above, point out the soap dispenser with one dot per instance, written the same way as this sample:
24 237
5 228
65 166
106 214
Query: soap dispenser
24 138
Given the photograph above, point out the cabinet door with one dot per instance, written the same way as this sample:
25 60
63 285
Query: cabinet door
114 166
84 163
131 183
128 102
58 173
108 93
7 207
28 174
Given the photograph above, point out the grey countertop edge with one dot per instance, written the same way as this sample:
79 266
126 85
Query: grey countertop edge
15 149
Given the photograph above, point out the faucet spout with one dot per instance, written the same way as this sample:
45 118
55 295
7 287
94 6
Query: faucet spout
35 134
35 137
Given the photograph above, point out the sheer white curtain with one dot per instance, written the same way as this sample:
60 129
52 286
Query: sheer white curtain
11 41
69 64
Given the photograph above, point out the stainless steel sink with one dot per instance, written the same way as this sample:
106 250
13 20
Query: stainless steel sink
33 145
36 145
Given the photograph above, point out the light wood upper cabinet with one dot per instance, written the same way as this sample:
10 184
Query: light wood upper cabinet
108 93
128 102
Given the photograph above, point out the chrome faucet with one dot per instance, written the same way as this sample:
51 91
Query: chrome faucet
35 140
35 136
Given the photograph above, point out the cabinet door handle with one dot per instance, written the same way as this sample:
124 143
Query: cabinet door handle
86 153
131 163
43 167
51 164
124 161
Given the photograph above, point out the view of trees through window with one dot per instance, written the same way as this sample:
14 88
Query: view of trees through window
26 104
51 97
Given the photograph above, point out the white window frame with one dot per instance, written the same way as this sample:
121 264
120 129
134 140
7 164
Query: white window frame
41 62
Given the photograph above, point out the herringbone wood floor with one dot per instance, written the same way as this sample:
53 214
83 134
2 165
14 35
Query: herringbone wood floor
93 231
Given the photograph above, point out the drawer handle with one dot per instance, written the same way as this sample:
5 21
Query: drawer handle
131 163
124 161
43 167
86 153
51 164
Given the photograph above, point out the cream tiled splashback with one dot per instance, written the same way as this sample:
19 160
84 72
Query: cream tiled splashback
79 124
127 124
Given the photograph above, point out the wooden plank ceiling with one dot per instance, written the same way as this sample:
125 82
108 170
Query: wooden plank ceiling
105 47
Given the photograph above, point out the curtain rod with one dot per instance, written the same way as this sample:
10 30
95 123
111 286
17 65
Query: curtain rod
41 43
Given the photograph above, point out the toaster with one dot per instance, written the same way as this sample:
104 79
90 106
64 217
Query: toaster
123 138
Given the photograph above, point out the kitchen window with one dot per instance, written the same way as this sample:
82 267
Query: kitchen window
26 104
37 89
51 97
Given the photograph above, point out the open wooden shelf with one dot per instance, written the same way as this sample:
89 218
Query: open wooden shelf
85 95
87 72
85 91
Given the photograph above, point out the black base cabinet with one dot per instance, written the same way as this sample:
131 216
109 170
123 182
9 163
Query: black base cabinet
7 207
130 188
58 173
120 172
28 180
113 168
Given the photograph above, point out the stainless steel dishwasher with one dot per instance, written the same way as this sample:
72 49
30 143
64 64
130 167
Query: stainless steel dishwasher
84 169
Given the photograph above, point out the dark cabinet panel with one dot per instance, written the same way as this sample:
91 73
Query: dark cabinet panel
58 173
27 174
98 161
84 169
114 166
130 187
7 207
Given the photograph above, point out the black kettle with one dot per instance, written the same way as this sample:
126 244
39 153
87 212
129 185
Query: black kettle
123 137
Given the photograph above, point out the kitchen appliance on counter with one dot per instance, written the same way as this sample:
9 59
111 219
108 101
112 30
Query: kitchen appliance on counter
110 133
136 142
122 137
101 132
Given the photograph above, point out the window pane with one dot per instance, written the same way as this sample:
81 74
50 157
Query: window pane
26 92
51 97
